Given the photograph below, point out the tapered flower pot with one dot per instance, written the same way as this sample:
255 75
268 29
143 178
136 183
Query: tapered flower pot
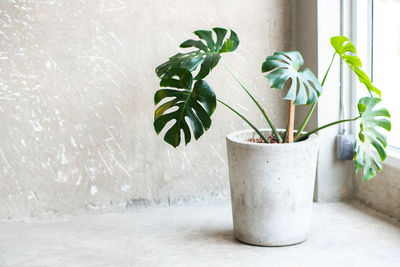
272 189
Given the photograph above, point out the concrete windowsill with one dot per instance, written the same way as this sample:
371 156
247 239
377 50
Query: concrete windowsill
393 157
343 234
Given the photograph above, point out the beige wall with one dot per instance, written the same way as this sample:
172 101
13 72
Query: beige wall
381 193
76 87
317 22
305 39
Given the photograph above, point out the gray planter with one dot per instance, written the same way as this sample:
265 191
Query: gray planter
272 189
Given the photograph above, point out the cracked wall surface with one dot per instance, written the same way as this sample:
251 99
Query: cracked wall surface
76 101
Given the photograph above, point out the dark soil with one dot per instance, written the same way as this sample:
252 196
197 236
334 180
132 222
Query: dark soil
272 139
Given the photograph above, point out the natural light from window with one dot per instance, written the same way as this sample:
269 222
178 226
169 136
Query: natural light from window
386 59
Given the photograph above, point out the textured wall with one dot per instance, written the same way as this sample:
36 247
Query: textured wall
381 193
76 88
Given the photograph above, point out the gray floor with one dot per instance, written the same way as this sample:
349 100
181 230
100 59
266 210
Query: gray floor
343 234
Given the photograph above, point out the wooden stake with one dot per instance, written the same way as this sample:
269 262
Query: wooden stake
290 122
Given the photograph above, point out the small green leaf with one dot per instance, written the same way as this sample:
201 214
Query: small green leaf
235 41
227 46
194 43
195 102
206 56
347 51
284 68
207 37
370 137
221 33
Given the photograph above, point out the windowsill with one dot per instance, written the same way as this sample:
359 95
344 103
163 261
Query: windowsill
383 192
198 235
393 157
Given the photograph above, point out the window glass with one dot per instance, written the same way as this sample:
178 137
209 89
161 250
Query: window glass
386 60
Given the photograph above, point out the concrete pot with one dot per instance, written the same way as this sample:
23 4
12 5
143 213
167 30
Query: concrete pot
272 188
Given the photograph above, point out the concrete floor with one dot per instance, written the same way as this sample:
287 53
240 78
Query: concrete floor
343 234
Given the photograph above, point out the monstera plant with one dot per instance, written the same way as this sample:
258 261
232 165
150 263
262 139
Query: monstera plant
188 101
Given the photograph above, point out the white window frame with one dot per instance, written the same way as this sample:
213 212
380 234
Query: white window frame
362 15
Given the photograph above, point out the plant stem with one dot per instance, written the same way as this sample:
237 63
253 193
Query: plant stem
286 133
329 68
308 116
290 126
304 123
278 137
246 120
302 137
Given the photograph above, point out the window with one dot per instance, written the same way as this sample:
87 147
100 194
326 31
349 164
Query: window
386 59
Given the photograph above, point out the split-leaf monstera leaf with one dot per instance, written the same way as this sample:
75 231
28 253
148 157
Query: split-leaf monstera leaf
369 136
347 51
206 56
284 66
189 98
184 100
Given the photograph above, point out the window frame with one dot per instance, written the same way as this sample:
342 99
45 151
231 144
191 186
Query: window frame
362 14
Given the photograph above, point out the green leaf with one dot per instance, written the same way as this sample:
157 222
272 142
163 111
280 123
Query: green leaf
206 55
221 33
183 100
284 68
235 41
370 137
185 79
194 43
347 51
227 46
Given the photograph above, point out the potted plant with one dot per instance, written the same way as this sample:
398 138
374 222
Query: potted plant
271 171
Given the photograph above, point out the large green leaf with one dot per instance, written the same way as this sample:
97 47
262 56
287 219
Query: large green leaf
206 55
347 51
370 137
284 67
195 102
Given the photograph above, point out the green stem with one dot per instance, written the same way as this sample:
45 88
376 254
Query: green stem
327 71
278 137
286 133
302 137
246 120
308 116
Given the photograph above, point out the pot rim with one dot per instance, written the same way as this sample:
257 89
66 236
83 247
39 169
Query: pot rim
233 137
